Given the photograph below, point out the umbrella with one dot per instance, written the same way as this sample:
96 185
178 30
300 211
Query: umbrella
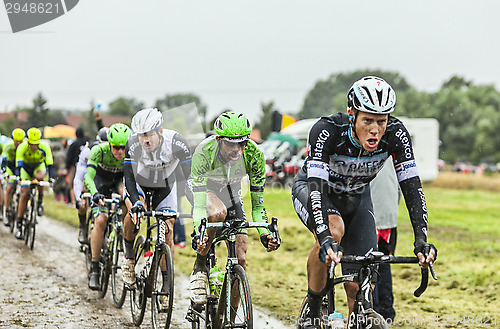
59 131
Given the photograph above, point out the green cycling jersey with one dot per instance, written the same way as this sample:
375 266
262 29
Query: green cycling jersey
102 163
9 152
207 168
24 155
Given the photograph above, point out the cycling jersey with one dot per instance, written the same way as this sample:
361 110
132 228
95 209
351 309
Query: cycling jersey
32 161
156 169
81 171
336 163
210 173
103 166
9 158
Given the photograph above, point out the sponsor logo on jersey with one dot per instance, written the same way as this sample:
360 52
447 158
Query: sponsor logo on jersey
406 170
405 139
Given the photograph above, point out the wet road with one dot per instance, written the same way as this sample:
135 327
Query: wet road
47 287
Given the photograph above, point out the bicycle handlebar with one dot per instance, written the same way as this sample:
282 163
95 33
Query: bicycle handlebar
375 257
35 182
240 224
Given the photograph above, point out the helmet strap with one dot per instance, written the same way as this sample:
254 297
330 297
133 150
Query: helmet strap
352 121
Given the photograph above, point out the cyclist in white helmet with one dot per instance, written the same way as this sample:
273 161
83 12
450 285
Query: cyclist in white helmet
152 156
331 193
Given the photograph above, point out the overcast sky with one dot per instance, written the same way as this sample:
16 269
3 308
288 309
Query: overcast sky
237 54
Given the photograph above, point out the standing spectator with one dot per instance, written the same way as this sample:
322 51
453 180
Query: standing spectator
60 185
384 192
72 159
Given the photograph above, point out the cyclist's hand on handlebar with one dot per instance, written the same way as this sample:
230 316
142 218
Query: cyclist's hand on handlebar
426 253
269 242
330 251
195 243
136 212
98 199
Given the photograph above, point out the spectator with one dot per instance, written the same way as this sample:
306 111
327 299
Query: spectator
384 192
72 159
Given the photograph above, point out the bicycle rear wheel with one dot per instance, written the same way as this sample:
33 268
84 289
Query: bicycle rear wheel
29 225
240 315
138 291
117 285
88 250
162 301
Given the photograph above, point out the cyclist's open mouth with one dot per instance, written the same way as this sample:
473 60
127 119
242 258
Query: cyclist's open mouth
372 143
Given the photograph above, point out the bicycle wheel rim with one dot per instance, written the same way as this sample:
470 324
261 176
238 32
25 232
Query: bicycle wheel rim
138 291
117 285
241 316
161 312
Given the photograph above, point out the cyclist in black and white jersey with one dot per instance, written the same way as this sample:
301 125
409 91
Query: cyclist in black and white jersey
152 156
331 193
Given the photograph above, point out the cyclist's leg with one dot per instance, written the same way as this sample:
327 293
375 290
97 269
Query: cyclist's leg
81 204
359 238
39 175
167 199
216 212
23 200
316 270
9 192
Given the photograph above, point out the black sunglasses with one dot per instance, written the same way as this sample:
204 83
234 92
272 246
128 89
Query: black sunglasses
118 147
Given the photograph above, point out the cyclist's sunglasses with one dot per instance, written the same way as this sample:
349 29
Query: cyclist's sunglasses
231 144
118 147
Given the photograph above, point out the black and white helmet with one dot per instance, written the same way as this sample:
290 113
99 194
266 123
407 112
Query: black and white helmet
102 135
373 95
147 120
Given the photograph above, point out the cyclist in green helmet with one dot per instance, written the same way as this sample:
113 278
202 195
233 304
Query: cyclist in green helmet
219 164
9 167
104 176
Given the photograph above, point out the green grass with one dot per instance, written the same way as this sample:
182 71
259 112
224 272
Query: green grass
463 224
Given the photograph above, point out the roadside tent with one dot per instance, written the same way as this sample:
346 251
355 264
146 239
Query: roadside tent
59 131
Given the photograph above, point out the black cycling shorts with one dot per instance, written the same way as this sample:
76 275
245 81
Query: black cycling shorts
355 209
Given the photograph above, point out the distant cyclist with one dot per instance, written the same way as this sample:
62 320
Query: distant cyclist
220 162
152 156
331 193
33 160
9 167
78 189
104 176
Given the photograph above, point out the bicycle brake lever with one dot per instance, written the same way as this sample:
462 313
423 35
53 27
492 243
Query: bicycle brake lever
433 273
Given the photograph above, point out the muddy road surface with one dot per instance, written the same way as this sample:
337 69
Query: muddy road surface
47 287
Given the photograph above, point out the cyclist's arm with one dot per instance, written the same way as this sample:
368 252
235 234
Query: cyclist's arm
21 149
128 173
409 180
317 164
94 158
49 160
199 177
257 174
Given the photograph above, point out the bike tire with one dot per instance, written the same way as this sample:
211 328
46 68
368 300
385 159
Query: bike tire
88 249
161 313
12 216
240 316
138 292
373 320
31 229
118 288
304 311
105 265
29 214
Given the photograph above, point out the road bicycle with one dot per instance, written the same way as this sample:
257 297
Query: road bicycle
154 268
28 226
112 247
363 315
11 212
221 311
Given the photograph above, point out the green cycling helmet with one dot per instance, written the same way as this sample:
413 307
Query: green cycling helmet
233 126
118 134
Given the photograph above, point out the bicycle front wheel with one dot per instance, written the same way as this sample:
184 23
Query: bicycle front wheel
105 265
117 285
163 288
29 227
239 314
138 291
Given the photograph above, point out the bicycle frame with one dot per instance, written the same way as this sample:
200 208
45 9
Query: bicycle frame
229 230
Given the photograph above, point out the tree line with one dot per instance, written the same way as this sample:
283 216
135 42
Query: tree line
468 114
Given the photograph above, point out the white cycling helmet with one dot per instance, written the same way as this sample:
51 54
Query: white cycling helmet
373 95
147 120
